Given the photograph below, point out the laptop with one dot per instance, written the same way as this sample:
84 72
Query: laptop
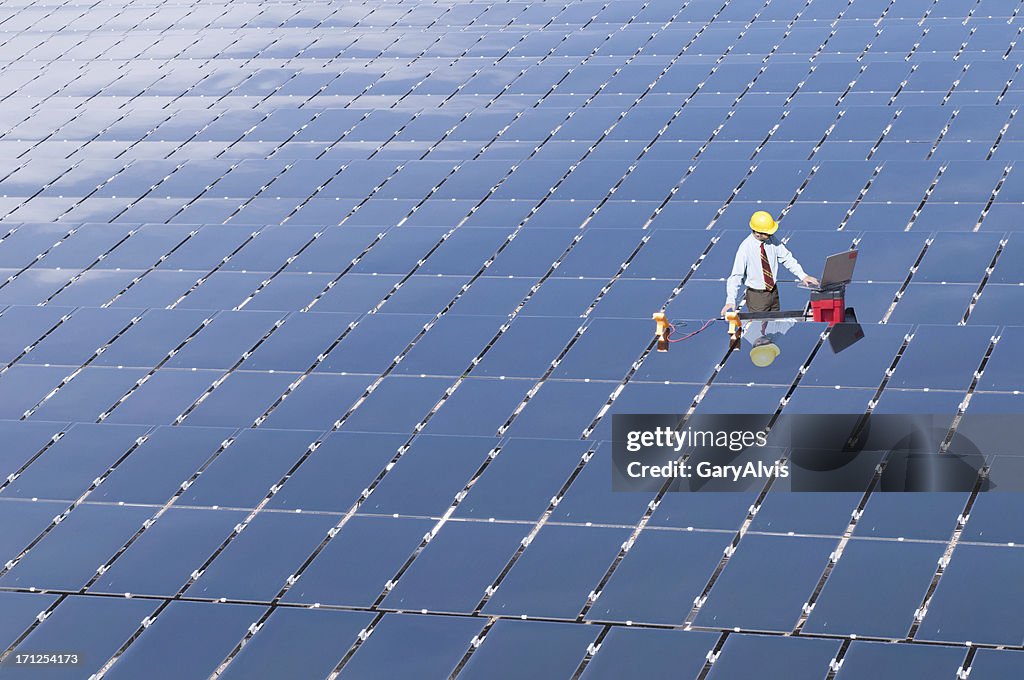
838 272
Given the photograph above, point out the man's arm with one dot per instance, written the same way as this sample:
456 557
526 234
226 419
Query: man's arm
732 284
787 260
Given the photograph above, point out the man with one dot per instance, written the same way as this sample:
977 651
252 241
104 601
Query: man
757 262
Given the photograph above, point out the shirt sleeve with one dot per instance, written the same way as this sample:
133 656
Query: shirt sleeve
732 284
787 260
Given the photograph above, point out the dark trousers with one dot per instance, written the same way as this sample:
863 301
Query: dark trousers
762 301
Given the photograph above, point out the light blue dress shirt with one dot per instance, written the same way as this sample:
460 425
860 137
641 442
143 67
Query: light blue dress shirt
747 266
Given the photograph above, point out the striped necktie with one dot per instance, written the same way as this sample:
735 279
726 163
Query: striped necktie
766 270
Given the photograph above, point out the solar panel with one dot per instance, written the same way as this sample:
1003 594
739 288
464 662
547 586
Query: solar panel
536 586
408 491
162 560
561 409
561 297
238 401
369 552
773 657
26 521
71 625
163 397
838 181
934 518
809 400
509 645
986 568
894 400
740 597
69 467
464 250
23 326
315 641
991 664
850 603
78 338
242 474
742 398
374 343
863 364
589 500
626 298
699 299
638 397
895 661
972 341
636 591
296 344
229 289
437 642
487 402
67 557
87 243
970 258
256 565
22 609
457 567
515 486
450 346
208 632
398 404
795 343
805 513
650 653
991 512
996 298
156 290
224 340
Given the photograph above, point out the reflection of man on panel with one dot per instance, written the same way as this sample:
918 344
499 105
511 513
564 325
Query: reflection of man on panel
757 262
762 336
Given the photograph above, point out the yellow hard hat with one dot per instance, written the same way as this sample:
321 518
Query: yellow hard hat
763 355
763 223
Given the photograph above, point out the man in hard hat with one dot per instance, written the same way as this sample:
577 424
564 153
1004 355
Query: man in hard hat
757 262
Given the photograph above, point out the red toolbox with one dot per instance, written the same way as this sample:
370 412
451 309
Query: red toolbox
828 306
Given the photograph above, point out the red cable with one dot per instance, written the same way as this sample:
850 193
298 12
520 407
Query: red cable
672 328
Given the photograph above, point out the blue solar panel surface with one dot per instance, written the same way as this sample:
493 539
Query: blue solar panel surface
314 316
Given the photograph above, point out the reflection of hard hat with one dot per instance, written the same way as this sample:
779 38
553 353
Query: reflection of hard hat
763 223
764 352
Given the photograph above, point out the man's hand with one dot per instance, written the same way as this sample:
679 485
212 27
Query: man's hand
728 308
810 281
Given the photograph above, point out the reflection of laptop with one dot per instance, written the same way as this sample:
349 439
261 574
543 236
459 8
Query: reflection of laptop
838 271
